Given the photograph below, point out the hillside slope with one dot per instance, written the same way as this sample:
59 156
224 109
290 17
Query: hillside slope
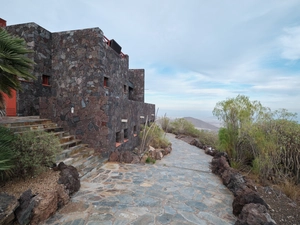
200 124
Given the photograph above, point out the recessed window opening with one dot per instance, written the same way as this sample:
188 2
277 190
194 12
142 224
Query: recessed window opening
118 137
130 93
134 131
46 80
125 135
125 89
105 82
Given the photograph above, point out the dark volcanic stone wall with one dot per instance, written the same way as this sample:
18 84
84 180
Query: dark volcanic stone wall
88 122
87 74
39 40
137 77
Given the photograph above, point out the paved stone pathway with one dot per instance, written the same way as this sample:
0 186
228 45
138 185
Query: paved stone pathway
179 189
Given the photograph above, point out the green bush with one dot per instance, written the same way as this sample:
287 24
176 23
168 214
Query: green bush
165 123
209 138
34 152
255 136
6 153
153 135
150 160
182 126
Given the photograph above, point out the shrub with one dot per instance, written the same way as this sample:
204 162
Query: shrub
182 126
35 151
6 153
165 123
153 135
209 138
150 160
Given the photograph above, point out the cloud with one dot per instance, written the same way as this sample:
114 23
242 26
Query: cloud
290 42
195 53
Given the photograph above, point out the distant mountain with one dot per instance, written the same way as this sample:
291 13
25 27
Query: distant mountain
200 124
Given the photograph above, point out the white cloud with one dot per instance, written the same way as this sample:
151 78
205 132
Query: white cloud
290 42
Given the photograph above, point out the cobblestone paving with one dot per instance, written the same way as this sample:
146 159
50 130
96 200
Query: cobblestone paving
179 189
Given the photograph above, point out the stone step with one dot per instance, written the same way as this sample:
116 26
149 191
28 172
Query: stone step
84 162
92 169
37 127
67 138
18 123
66 153
69 144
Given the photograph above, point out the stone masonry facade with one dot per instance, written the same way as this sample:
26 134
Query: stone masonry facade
84 86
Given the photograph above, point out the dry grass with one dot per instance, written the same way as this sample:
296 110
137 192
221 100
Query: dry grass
290 190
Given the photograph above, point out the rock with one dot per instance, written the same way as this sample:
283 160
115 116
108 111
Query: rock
114 156
144 158
246 197
167 150
151 148
158 155
210 151
253 214
69 177
180 136
24 211
126 157
233 180
8 204
46 205
219 165
135 159
63 197
196 143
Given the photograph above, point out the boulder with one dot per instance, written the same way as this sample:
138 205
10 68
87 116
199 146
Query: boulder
167 150
8 205
46 205
63 197
253 214
196 143
24 211
69 177
114 156
219 165
158 155
233 180
246 197
135 159
126 157
209 151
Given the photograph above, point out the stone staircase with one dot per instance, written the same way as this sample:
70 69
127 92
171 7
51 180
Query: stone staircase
73 152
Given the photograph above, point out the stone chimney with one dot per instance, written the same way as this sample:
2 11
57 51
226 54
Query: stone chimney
2 22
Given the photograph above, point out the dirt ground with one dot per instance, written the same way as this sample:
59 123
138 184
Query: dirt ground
44 182
283 210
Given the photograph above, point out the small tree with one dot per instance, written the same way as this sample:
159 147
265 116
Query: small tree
14 64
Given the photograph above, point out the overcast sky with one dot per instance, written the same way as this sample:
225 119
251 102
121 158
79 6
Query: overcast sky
195 52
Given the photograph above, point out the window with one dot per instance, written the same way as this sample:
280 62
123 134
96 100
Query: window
125 89
118 139
46 80
134 131
130 93
125 135
105 82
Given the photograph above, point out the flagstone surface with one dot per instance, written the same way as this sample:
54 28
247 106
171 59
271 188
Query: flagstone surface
179 189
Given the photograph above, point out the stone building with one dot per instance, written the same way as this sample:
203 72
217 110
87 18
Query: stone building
84 84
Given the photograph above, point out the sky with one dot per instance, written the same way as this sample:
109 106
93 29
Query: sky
195 52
